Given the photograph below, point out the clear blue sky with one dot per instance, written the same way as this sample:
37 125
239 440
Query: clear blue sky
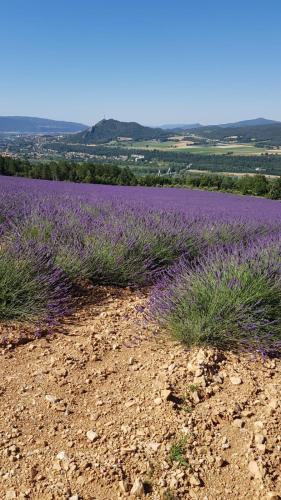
154 61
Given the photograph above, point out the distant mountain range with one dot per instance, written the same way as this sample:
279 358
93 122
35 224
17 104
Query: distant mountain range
32 125
259 130
256 122
178 127
109 130
267 135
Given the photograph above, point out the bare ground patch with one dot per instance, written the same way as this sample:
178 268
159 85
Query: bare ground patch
112 408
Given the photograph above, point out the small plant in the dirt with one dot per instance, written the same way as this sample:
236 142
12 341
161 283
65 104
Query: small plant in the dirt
193 387
168 495
186 403
187 408
177 452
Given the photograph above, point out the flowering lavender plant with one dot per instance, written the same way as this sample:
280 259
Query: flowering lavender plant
229 299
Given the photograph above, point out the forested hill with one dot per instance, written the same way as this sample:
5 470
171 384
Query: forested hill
32 125
264 135
108 130
251 123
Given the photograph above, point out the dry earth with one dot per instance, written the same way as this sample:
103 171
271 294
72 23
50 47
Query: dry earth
110 408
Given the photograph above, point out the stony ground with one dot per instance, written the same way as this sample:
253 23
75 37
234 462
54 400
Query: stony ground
109 408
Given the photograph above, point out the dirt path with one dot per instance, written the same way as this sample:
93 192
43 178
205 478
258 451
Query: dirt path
113 409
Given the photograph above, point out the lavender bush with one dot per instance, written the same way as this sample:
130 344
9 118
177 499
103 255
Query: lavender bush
230 299
31 287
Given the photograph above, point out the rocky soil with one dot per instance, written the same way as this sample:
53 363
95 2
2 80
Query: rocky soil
108 407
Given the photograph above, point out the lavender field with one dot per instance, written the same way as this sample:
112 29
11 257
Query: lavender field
212 260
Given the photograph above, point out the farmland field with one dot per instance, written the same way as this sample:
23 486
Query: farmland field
235 149
55 234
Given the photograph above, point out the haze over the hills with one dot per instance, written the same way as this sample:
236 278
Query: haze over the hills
244 123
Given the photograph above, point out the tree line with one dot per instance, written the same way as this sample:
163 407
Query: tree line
257 185
66 171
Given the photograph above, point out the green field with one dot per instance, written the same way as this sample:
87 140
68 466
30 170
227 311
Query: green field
237 149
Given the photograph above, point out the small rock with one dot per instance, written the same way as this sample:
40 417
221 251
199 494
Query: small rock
162 482
137 488
174 483
158 401
238 422
220 461
131 360
62 456
200 381
259 438
258 425
225 443
195 397
10 495
125 428
236 380
51 399
166 393
154 446
61 372
272 495
195 480
255 470
74 497
92 435
273 404
57 465
123 486
128 404
247 413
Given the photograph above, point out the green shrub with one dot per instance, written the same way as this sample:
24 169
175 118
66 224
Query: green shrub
30 287
230 301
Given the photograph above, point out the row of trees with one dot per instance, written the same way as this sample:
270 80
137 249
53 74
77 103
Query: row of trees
257 185
67 171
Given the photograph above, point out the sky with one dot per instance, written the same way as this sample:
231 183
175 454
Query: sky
155 62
